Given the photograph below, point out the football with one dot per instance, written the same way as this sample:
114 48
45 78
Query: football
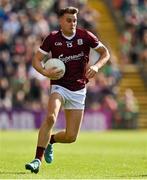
54 62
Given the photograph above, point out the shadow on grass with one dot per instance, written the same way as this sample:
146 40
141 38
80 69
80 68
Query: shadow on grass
128 176
12 172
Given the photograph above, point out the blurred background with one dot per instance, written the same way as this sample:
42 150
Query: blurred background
116 98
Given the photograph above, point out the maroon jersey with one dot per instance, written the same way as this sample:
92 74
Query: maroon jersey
74 53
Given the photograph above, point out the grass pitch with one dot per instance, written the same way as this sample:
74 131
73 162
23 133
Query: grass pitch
95 155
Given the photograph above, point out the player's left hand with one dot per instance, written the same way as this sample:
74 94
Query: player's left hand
91 72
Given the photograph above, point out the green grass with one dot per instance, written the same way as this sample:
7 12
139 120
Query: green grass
105 155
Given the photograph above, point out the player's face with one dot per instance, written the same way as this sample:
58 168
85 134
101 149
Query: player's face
68 24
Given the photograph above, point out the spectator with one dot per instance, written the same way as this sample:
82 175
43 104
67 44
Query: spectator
128 111
143 49
5 94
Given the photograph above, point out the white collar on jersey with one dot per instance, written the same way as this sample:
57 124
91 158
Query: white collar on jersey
68 37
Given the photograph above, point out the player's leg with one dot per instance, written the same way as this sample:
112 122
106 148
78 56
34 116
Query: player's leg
74 107
73 121
54 104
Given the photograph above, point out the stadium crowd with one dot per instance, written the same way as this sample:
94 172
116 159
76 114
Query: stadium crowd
23 26
134 36
133 40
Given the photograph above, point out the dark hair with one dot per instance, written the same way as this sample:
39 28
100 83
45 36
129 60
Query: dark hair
69 10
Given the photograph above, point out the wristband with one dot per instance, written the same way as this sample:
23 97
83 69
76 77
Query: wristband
95 68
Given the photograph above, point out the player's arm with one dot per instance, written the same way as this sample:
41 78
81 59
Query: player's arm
103 58
37 64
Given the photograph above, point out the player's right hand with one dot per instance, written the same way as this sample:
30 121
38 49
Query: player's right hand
53 73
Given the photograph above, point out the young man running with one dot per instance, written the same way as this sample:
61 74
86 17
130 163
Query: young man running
71 45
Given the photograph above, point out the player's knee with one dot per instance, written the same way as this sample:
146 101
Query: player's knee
50 119
71 138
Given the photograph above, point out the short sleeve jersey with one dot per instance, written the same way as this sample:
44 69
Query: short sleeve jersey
74 53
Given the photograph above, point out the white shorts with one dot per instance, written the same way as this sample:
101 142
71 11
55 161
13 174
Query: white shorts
71 99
